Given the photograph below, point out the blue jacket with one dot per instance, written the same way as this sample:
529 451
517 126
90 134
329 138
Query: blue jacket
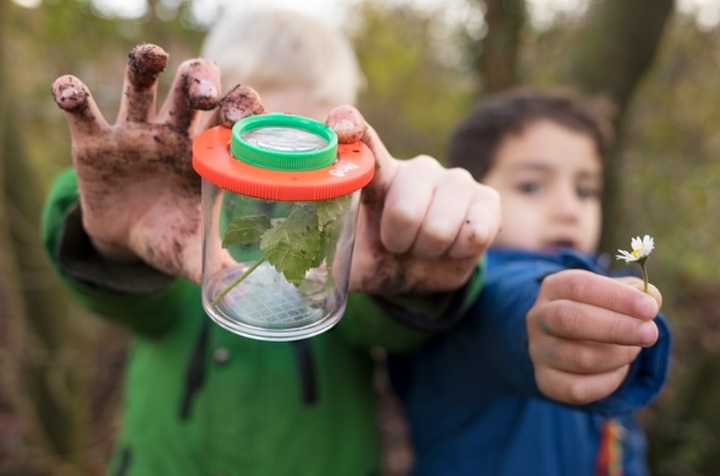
471 398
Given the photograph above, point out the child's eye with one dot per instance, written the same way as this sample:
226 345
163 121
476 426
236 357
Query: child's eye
529 188
585 192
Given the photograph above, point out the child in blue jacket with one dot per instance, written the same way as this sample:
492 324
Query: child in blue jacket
543 374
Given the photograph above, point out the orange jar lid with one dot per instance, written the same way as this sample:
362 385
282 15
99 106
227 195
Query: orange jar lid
319 169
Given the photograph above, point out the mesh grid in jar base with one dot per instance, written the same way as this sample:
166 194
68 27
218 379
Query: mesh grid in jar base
266 306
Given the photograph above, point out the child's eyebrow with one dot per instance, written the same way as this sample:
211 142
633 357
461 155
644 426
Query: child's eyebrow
585 174
538 166
545 168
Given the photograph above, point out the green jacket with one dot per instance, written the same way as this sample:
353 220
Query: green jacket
200 400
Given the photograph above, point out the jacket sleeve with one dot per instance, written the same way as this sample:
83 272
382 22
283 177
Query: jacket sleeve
488 357
133 295
404 323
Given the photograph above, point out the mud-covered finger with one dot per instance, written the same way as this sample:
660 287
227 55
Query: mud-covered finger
350 126
196 87
480 226
240 102
144 65
82 114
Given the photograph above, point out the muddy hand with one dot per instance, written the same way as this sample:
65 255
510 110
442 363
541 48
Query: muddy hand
422 227
139 194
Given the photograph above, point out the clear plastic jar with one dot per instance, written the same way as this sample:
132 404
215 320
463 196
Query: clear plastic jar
280 200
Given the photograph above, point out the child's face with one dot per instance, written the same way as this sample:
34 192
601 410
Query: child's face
549 178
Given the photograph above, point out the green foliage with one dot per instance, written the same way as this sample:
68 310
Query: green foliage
245 230
49 363
414 95
671 172
331 219
67 37
668 171
293 245
420 81
670 164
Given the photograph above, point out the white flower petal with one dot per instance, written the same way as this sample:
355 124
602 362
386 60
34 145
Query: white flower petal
648 245
624 255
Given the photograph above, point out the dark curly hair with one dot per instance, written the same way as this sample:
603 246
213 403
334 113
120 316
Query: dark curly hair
476 139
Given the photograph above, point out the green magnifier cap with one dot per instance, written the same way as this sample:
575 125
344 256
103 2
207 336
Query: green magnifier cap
279 141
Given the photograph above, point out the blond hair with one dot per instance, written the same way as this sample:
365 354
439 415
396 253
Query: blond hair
276 49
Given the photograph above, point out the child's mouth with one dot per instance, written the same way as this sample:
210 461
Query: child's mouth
559 244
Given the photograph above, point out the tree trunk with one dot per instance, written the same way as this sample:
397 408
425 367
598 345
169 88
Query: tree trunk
613 51
497 61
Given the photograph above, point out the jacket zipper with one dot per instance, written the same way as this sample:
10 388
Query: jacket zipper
306 371
195 376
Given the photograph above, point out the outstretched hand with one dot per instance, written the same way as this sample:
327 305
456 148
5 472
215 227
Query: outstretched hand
422 227
585 330
139 194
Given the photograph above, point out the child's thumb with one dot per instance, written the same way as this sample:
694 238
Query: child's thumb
350 126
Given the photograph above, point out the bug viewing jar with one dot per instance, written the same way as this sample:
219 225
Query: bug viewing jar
280 200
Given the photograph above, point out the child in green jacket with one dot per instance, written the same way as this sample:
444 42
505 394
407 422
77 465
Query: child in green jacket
122 229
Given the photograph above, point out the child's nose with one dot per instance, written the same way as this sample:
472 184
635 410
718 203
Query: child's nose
567 203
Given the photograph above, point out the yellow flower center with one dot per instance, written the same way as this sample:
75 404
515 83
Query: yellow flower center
636 252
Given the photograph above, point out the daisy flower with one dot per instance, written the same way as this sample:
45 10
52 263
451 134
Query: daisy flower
641 249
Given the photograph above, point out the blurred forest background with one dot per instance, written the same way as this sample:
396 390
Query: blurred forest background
657 61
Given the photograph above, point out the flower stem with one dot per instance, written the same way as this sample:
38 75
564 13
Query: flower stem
645 277
237 281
